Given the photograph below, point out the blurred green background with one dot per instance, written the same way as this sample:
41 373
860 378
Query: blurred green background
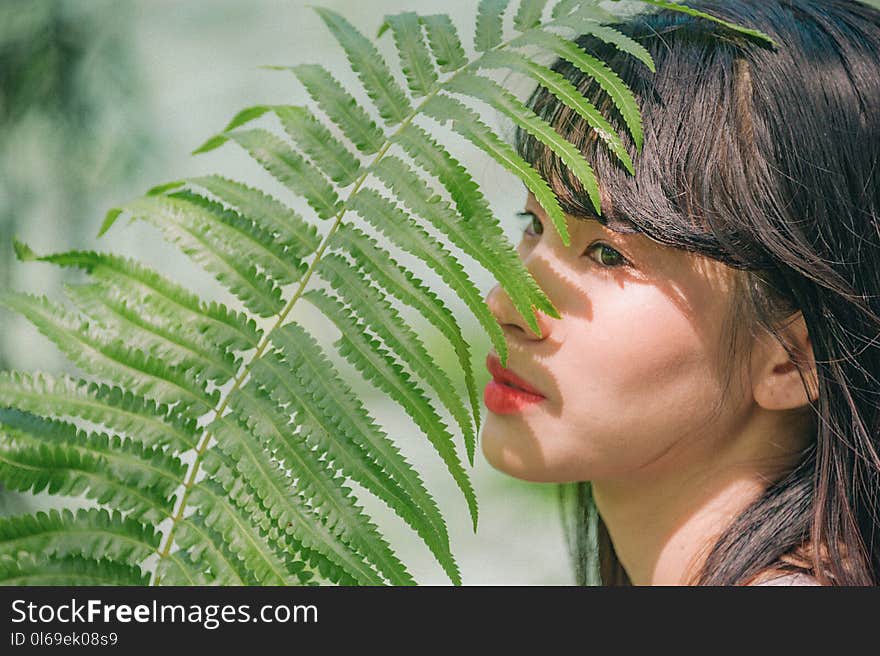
101 100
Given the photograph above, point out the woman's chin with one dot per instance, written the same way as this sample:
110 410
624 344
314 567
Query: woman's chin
524 461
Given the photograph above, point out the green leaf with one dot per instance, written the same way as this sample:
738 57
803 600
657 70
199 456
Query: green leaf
582 9
478 232
212 143
466 123
159 297
168 186
30 570
290 169
529 14
128 367
565 7
174 348
244 116
489 28
608 80
221 512
287 506
316 479
378 264
386 217
198 236
672 6
238 234
336 423
38 453
92 533
444 42
382 318
331 156
179 568
415 59
273 537
109 220
341 107
288 228
117 409
203 554
372 70
610 35
378 366
567 94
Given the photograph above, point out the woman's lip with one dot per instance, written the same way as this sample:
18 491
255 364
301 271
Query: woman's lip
504 375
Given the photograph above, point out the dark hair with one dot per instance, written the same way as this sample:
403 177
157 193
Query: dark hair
767 160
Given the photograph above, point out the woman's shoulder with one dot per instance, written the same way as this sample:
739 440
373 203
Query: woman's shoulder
791 578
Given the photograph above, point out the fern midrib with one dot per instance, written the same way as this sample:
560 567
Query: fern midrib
266 339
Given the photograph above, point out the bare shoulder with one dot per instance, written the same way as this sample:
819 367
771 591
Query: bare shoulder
791 578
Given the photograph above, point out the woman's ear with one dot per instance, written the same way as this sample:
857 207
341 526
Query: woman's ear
776 383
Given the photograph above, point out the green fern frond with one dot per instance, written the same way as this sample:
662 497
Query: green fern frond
157 296
378 264
229 512
341 107
624 43
421 78
331 156
374 74
70 570
287 506
179 568
566 92
464 121
291 232
176 348
317 482
608 80
90 532
38 454
673 6
489 24
376 364
131 368
402 230
371 305
478 233
445 44
337 424
494 95
529 14
290 169
117 409
203 556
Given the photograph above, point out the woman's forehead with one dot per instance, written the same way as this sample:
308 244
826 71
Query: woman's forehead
616 225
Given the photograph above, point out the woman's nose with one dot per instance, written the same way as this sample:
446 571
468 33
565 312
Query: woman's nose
511 321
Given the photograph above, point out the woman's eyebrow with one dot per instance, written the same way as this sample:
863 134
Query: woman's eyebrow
622 228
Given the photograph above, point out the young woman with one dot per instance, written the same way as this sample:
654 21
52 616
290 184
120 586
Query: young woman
710 397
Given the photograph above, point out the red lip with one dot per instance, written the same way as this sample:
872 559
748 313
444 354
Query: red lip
506 376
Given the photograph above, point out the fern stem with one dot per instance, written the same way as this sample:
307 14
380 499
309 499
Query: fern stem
203 445
261 347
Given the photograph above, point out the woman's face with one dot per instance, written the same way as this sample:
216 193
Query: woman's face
632 374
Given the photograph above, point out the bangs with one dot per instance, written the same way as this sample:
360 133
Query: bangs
697 120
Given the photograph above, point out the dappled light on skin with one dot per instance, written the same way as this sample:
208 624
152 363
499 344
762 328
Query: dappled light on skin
631 338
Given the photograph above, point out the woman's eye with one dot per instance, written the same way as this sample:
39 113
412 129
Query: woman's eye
534 226
608 257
